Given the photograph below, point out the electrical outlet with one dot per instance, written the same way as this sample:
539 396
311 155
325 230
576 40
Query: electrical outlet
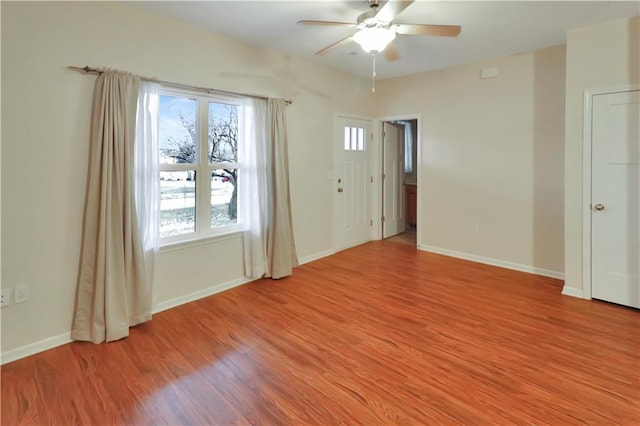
5 297
21 294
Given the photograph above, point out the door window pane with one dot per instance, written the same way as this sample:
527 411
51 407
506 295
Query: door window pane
224 197
347 138
354 138
360 138
177 202
178 130
222 137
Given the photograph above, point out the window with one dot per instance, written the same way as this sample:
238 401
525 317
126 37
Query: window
199 168
353 138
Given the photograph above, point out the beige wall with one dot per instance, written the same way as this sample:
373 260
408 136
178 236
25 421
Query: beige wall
45 117
491 157
599 56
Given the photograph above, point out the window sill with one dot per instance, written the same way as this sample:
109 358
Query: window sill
200 241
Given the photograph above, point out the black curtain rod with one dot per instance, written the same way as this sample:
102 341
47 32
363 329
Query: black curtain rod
90 70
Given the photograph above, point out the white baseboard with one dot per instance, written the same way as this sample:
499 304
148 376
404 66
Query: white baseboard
316 256
493 262
218 288
34 348
62 339
52 342
573 292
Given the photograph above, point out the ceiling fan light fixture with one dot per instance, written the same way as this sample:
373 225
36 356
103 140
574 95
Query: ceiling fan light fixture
374 39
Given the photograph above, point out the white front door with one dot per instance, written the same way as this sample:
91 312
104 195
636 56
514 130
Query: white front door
615 198
393 169
352 183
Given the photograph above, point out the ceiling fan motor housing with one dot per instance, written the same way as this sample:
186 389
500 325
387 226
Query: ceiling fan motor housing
368 19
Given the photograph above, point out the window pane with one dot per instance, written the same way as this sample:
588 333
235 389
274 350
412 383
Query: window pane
347 138
178 131
223 133
224 197
361 139
177 203
354 138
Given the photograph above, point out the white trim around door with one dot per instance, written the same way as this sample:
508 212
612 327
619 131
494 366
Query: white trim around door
586 183
378 171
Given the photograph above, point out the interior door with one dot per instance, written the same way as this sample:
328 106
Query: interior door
352 182
393 215
615 198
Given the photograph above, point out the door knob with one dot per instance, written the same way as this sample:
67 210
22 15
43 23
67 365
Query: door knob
340 189
599 207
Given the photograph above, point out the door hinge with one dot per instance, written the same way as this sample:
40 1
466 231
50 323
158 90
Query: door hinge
371 222
382 219
384 176
371 179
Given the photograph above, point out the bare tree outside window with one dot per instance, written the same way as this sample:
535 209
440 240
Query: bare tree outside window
181 144
222 146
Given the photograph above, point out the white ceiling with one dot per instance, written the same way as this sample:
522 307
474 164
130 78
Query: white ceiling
489 29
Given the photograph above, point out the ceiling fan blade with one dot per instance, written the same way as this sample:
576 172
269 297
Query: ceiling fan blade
423 29
391 10
391 53
335 45
325 23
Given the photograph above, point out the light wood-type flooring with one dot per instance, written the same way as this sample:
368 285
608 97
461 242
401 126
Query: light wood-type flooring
407 237
378 334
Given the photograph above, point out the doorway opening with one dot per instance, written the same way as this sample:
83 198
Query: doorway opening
400 180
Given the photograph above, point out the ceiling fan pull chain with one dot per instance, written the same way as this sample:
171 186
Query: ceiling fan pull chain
373 80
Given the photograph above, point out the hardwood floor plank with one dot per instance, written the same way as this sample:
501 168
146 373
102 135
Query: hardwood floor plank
378 334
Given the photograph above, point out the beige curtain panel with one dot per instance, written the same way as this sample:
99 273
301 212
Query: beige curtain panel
281 248
113 291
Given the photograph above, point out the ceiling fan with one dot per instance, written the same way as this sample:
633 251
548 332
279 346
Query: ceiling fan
376 29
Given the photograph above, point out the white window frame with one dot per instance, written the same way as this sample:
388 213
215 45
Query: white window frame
203 228
357 143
